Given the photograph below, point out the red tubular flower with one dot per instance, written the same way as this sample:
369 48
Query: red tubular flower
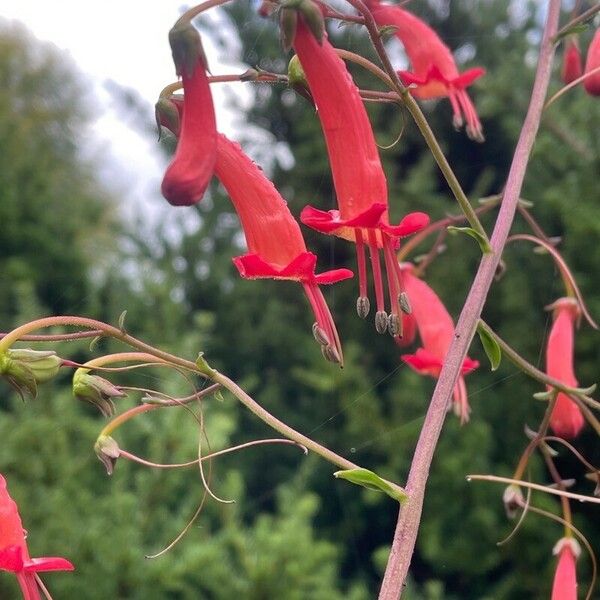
592 83
276 248
434 69
571 67
14 555
436 330
566 419
564 586
191 169
358 177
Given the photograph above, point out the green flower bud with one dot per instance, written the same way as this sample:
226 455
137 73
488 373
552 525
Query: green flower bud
107 450
24 368
167 116
297 79
96 390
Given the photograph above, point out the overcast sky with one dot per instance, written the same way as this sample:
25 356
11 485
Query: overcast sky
124 41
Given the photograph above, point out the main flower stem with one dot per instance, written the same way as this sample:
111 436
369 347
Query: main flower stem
410 513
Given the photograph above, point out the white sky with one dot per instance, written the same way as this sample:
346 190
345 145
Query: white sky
124 41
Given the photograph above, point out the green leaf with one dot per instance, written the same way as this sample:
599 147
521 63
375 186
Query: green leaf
481 240
577 28
371 481
491 347
122 322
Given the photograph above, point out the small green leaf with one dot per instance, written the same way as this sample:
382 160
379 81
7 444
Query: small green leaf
371 481
122 322
218 395
545 395
491 347
481 240
203 366
577 28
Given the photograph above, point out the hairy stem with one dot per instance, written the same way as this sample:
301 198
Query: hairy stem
410 513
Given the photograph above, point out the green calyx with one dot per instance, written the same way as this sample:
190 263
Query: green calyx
187 49
24 368
96 390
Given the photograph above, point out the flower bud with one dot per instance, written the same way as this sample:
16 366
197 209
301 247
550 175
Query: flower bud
25 368
571 67
297 79
167 115
513 500
96 390
107 450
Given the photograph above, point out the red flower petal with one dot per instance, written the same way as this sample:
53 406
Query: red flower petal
423 362
468 77
592 83
11 559
564 586
410 224
48 563
333 276
302 268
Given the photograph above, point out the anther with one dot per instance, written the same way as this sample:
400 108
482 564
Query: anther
381 321
331 354
394 325
363 306
320 335
404 303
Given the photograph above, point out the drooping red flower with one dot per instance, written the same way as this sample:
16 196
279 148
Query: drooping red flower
191 169
564 586
358 177
436 330
14 555
592 83
434 72
276 248
566 419
572 67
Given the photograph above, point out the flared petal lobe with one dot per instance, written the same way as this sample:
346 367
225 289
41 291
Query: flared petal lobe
566 419
191 169
434 72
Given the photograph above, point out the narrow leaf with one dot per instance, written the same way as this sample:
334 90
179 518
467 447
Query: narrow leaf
481 240
371 481
491 347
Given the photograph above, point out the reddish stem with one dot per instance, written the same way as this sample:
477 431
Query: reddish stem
410 513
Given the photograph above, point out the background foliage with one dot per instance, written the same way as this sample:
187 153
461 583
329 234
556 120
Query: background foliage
294 531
